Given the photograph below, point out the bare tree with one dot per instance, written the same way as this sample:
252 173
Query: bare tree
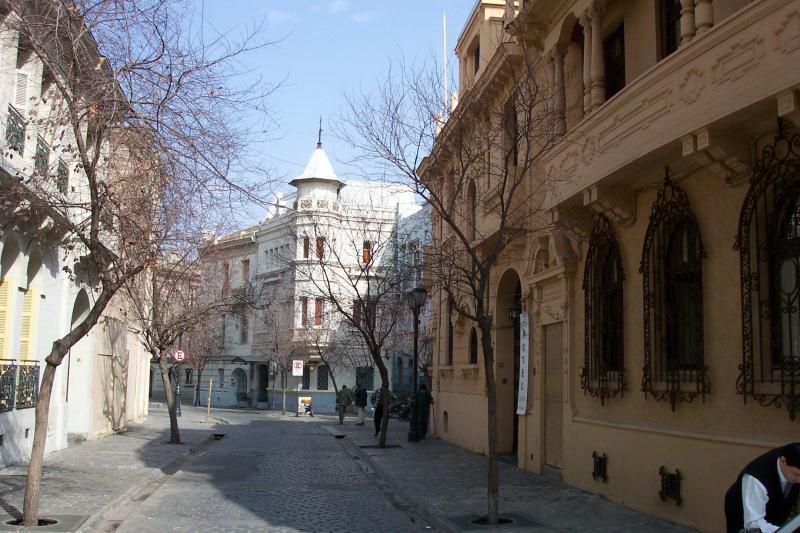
168 303
202 346
474 166
144 114
353 273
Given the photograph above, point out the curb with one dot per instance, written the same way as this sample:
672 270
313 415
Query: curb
103 520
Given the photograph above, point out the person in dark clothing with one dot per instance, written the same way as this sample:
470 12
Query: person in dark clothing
361 403
377 397
424 402
765 492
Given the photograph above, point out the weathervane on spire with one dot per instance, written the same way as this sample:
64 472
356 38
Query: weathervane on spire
319 140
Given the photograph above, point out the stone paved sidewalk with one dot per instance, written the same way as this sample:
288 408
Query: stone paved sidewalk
446 484
84 481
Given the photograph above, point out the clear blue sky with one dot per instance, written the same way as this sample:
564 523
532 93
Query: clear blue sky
329 47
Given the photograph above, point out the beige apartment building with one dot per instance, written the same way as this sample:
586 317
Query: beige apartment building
662 277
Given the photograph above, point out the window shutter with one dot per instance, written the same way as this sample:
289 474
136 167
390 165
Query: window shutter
4 301
27 331
318 312
21 92
356 313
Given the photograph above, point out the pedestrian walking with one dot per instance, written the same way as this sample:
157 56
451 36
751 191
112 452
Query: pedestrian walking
424 402
361 403
344 398
378 402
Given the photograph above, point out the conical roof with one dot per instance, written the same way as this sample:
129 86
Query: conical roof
319 167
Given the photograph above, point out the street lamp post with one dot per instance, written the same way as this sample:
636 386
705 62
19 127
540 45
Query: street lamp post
416 299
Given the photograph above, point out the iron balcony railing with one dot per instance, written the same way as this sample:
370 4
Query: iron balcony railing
62 177
8 381
42 158
27 384
15 130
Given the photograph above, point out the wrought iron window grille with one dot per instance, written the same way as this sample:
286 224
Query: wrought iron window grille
42 158
670 485
15 130
768 243
62 177
603 373
8 382
600 470
674 363
27 384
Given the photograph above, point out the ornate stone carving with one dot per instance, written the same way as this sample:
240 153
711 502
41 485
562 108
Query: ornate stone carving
787 36
739 58
692 86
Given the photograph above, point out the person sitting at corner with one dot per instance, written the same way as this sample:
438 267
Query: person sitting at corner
765 492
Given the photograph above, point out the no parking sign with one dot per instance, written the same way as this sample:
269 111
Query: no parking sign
179 356
297 367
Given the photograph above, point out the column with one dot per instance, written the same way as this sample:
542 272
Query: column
598 68
687 21
559 92
586 23
704 15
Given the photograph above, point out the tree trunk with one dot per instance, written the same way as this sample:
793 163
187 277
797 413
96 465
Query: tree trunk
196 400
174 433
33 485
493 484
283 392
386 400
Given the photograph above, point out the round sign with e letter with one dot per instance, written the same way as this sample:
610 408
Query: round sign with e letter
179 356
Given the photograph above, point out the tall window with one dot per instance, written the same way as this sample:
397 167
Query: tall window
245 271
449 360
306 377
356 312
244 326
366 252
511 133
303 311
306 247
188 376
476 58
322 377
603 373
614 56
769 252
365 377
472 205
226 279
670 26
320 247
672 266
318 306
220 377
473 347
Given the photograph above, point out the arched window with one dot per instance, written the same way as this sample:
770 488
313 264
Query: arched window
473 347
672 268
603 373
769 251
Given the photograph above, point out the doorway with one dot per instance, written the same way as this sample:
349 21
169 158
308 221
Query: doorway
507 353
553 394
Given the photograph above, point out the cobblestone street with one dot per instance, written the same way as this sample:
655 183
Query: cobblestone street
273 473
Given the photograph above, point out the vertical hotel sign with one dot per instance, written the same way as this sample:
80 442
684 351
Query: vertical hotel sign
522 393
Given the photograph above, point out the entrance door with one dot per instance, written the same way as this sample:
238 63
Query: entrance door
553 390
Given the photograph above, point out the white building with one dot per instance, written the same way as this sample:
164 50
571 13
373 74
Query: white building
284 316
102 384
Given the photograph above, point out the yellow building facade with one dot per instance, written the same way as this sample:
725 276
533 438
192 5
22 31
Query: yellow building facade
662 288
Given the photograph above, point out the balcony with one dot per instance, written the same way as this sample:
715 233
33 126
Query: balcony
41 160
723 81
19 384
15 131
27 384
